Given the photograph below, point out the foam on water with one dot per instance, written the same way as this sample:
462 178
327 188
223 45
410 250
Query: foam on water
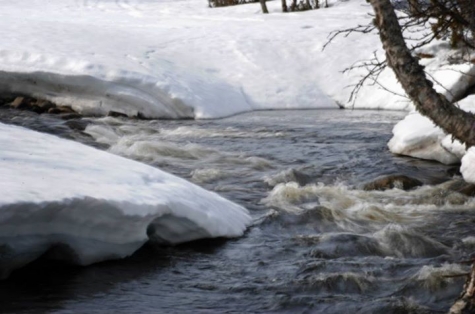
153 144
368 223
289 175
207 175
469 241
434 278
196 132
401 242
393 205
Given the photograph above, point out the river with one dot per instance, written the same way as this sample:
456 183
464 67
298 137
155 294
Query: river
319 243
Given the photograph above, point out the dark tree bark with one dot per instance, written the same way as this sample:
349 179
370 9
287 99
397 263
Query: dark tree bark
264 6
467 9
413 6
293 6
411 75
284 6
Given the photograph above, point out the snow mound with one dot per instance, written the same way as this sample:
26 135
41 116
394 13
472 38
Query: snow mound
417 136
85 205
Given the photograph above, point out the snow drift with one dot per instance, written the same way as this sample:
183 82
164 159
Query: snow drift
86 205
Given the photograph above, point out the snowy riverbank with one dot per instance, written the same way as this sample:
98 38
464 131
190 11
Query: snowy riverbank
181 59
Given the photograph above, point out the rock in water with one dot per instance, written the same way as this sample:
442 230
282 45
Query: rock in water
392 181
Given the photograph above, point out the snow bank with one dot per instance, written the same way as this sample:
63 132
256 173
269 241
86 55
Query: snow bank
468 166
179 59
86 205
418 137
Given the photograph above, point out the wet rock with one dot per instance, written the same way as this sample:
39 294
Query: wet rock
462 187
27 103
468 190
54 110
141 116
7 99
78 125
392 181
41 106
454 185
62 110
116 114
22 103
70 116
44 105
65 109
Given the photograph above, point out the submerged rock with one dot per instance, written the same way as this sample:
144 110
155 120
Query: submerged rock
462 187
468 190
392 181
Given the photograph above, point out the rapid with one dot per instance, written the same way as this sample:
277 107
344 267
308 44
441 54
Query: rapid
319 242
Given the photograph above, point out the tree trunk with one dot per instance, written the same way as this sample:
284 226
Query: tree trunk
284 6
264 6
413 7
293 5
411 75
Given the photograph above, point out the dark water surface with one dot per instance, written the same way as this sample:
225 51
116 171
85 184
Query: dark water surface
319 244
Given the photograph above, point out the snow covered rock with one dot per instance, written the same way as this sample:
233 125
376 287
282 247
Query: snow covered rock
89 205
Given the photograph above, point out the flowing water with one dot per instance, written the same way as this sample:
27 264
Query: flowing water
319 243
